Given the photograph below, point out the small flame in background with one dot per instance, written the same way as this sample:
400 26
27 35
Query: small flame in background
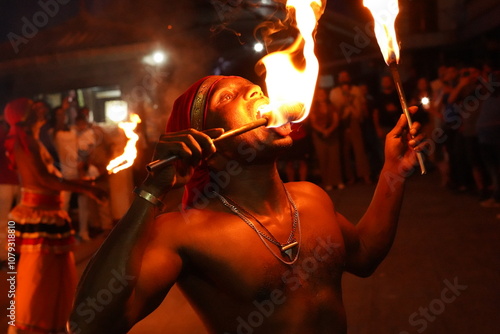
384 13
126 160
290 89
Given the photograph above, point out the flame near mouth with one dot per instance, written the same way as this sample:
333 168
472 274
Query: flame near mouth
282 114
291 87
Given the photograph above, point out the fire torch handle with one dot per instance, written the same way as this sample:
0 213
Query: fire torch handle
161 163
402 99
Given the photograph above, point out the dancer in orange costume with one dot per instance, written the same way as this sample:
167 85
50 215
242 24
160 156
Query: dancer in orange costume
46 275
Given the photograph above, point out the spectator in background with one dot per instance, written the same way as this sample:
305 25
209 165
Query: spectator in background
471 148
440 156
44 129
70 106
371 141
421 97
460 128
9 188
325 122
349 101
488 132
65 141
451 124
388 107
94 154
438 84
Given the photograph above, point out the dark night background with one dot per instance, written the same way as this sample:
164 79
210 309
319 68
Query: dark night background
226 30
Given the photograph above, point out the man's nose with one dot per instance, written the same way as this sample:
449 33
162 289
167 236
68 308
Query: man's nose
253 92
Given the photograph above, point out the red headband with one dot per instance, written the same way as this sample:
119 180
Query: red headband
190 109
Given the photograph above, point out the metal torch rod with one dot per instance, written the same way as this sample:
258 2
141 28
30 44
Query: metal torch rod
159 164
402 99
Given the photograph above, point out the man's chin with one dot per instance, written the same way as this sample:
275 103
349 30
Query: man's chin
283 143
271 152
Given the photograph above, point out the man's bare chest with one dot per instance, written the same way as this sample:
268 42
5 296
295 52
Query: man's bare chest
235 258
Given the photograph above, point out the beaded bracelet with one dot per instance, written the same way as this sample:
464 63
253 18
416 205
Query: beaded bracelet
149 197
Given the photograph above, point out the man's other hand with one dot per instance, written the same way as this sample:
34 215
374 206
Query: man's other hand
402 144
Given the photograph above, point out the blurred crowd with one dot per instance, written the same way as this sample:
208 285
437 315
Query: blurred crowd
342 141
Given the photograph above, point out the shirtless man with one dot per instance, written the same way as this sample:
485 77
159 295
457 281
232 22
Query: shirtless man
257 256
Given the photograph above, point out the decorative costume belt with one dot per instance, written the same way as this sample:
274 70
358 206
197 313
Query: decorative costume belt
40 223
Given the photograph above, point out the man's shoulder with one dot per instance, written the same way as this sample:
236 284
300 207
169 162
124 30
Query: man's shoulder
315 206
305 185
308 191
185 218
172 229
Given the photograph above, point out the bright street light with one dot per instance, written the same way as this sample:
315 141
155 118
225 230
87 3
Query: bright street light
258 47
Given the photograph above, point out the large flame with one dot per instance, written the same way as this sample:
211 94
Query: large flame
291 89
126 160
384 13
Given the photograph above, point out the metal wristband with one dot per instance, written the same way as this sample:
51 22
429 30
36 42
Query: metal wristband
148 197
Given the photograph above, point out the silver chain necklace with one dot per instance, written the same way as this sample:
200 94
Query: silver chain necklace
286 248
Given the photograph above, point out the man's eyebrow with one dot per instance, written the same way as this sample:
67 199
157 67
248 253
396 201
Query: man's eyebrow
216 95
233 89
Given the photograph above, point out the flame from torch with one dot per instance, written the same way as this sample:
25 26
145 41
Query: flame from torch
126 159
291 89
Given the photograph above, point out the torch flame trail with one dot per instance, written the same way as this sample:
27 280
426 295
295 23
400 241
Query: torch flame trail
129 154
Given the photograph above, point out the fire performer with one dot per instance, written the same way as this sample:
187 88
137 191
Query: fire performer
251 254
46 274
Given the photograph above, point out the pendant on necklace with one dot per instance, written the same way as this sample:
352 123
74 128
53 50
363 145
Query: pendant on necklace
288 249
